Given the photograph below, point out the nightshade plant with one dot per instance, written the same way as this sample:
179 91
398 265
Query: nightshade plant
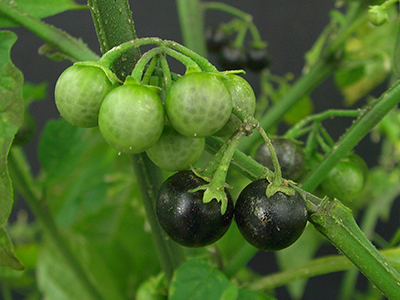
126 118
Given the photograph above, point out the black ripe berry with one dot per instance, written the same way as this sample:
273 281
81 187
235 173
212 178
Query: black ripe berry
183 215
273 223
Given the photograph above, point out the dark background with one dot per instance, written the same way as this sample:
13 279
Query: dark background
289 27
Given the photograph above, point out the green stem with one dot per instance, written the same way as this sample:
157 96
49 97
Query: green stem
25 185
228 9
150 70
150 179
327 114
142 62
114 53
75 49
191 18
114 25
336 222
368 120
317 267
203 63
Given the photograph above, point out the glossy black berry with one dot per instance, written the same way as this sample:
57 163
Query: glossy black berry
257 58
232 58
216 38
183 215
290 156
273 223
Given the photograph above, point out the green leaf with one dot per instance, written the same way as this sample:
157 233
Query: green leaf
11 115
196 279
55 278
60 147
245 294
39 9
7 256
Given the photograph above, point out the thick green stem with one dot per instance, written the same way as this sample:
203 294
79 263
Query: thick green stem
114 25
336 222
73 48
150 180
25 185
191 18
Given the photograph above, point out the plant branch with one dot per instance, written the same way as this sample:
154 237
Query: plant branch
317 267
74 48
114 26
150 180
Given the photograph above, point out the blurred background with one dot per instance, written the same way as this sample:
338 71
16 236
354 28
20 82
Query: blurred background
289 27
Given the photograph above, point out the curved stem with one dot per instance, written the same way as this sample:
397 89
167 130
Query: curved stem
114 53
294 132
150 70
203 63
137 72
228 9
166 73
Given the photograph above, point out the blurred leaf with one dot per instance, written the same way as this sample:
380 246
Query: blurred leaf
358 78
39 8
196 279
11 115
396 53
34 92
92 193
7 256
245 294
55 278
300 110
366 61
60 147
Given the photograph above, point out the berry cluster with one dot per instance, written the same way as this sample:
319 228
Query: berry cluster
232 56
170 123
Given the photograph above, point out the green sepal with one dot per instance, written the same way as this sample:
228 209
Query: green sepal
192 69
273 188
211 193
110 75
132 81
